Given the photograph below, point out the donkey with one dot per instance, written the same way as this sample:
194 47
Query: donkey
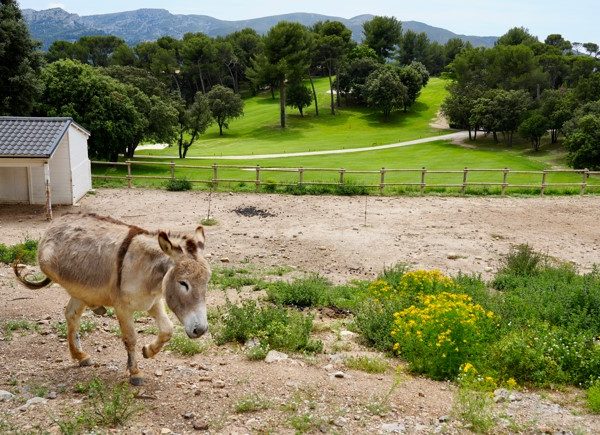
101 261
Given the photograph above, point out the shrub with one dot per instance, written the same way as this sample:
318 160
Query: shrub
442 333
521 261
475 409
178 185
374 319
593 397
276 327
311 291
25 252
182 345
269 186
350 188
251 403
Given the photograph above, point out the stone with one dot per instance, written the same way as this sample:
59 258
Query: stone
515 397
444 418
6 396
200 425
452 256
36 401
188 415
393 428
218 384
165 431
52 395
158 373
488 269
348 334
340 422
275 356
225 260
501 395
339 374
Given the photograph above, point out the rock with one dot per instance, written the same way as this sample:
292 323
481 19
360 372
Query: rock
252 422
488 269
200 425
165 431
36 401
6 396
444 418
188 415
274 356
158 373
340 422
252 343
52 395
339 374
323 248
452 256
501 395
348 334
393 428
515 397
218 384
224 259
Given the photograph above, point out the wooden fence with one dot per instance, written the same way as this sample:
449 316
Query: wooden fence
420 176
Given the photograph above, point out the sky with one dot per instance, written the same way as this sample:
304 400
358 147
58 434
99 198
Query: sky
576 20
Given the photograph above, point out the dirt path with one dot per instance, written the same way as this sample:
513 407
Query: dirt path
458 136
320 234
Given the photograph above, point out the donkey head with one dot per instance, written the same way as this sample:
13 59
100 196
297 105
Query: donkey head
185 284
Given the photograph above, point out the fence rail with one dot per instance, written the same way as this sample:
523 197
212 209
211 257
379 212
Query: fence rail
420 176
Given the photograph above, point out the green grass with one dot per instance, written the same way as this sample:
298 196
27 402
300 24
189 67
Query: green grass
25 252
182 345
258 131
18 325
593 397
251 403
86 326
367 364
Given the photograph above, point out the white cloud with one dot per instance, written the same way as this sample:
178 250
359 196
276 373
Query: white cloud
56 5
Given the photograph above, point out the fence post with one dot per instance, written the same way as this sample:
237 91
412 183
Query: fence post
128 174
544 174
215 179
382 181
423 172
342 170
585 175
300 176
504 178
257 182
464 183
172 169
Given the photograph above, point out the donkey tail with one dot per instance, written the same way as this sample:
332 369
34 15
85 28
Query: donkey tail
33 285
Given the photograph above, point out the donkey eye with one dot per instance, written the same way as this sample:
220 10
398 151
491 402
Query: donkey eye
184 284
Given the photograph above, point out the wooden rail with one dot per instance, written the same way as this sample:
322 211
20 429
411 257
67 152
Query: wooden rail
341 176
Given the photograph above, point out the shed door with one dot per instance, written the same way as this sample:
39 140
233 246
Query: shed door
14 185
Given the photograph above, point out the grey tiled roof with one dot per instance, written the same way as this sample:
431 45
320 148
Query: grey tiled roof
31 137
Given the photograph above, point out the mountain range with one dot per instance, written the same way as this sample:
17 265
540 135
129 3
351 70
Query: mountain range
150 24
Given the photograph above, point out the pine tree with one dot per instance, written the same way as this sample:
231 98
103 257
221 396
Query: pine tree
20 62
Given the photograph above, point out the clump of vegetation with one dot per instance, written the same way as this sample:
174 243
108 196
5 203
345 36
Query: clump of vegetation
178 185
236 278
209 222
441 333
277 327
593 397
311 291
367 364
257 353
251 403
475 409
521 261
85 326
25 252
18 325
105 406
182 345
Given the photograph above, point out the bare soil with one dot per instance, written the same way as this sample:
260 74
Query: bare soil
329 235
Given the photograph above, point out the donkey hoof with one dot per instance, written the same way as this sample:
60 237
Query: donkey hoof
136 380
86 362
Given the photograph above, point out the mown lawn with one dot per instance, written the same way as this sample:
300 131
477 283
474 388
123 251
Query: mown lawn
258 131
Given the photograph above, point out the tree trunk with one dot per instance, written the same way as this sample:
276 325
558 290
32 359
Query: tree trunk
282 103
220 129
337 88
331 92
312 85
475 134
201 78
470 138
301 114
495 136
272 92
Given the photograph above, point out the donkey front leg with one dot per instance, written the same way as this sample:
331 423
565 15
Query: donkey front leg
73 312
129 340
165 329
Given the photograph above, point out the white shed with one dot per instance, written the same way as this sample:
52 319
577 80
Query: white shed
43 161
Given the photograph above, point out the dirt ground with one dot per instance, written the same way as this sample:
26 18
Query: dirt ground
338 237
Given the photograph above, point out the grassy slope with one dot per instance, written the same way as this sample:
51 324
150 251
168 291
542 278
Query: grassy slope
258 132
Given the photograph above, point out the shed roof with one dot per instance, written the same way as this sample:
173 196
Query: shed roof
32 137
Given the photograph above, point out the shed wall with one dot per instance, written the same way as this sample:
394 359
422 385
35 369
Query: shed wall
14 186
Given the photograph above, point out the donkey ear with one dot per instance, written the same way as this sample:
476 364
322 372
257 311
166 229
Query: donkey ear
166 245
200 236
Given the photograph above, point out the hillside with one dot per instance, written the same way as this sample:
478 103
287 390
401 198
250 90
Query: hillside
149 24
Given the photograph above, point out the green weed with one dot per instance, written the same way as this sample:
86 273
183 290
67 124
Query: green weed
251 403
182 345
178 185
25 252
593 397
367 364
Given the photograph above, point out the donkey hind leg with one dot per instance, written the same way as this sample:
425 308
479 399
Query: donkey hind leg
165 329
73 312
129 340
